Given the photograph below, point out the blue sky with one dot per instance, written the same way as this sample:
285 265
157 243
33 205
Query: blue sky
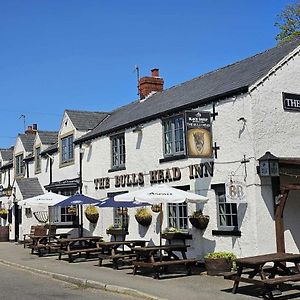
81 54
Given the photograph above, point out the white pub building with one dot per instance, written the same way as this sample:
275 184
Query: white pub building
232 135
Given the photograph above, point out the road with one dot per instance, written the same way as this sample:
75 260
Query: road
19 284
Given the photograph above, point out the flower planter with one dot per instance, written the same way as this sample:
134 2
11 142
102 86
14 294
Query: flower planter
176 236
156 208
93 218
217 266
144 220
4 233
200 222
3 216
117 231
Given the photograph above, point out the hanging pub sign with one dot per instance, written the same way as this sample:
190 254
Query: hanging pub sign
291 102
198 134
235 191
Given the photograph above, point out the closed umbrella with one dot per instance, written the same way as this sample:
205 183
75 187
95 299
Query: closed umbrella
78 199
160 194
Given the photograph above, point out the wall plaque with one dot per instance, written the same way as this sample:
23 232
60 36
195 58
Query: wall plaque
291 102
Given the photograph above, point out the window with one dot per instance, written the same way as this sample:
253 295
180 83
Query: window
61 215
67 149
19 165
121 217
118 151
174 141
227 212
38 159
177 215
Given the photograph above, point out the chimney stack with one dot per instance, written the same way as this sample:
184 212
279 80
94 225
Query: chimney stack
148 85
31 129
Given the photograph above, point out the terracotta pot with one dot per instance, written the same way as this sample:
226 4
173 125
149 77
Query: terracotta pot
217 266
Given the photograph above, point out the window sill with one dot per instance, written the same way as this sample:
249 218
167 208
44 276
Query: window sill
172 158
66 164
116 169
233 232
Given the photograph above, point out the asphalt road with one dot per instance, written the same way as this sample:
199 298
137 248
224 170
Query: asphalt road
18 284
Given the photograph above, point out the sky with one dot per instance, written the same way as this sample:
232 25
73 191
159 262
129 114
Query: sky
82 54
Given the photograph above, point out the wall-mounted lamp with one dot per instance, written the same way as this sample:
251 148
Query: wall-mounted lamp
268 165
138 128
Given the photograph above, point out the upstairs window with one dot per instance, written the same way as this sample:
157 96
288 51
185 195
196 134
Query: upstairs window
118 151
174 140
67 149
38 159
19 165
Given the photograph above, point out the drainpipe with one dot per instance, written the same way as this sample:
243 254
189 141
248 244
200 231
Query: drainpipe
50 171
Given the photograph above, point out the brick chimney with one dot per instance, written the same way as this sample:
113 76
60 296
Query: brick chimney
150 84
31 129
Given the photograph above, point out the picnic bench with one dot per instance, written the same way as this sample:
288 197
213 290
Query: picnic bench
34 231
151 258
111 251
252 270
72 246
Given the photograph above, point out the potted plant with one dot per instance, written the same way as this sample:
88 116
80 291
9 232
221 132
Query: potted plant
217 263
3 213
143 216
199 220
172 233
92 214
116 230
72 210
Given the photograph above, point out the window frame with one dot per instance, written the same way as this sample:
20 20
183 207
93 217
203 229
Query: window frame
118 151
38 159
180 220
229 211
67 151
19 165
170 150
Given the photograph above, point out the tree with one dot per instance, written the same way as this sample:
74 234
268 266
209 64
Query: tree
288 23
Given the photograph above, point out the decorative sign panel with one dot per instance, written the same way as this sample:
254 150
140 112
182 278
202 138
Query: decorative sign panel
235 191
198 134
291 102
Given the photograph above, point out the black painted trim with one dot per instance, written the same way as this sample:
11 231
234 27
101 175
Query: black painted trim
172 158
227 232
116 169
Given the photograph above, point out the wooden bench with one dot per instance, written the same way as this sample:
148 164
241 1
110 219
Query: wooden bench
162 266
115 258
70 253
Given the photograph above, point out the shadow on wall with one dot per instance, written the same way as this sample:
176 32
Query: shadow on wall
291 217
143 230
267 196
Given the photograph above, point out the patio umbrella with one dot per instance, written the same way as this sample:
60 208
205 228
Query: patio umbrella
160 194
78 199
110 202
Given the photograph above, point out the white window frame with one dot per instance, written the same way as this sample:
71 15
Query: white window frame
174 136
178 215
67 149
118 151
19 160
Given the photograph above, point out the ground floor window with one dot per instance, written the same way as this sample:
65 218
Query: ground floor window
120 215
227 212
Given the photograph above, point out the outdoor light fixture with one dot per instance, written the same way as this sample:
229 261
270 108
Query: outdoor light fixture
268 165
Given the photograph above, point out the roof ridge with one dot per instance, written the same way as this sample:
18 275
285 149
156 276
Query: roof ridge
86 111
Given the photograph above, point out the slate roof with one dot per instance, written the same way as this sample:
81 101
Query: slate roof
48 137
7 154
29 187
230 80
85 120
27 141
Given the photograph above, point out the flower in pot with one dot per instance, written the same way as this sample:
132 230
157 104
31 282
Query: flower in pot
217 263
143 216
172 233
72 210
92 214
3 213
199 220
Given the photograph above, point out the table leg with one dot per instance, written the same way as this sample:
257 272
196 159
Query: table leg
236 282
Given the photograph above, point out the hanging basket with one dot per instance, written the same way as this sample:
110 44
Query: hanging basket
3 215
156 208
199 222
91 213
72 210
144 220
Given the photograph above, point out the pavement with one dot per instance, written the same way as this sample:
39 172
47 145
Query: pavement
87 273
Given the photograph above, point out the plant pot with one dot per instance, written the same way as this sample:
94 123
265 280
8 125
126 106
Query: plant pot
117 231
176 236
3 216
93 218
4 233
217 266
156 208
199 222
144 221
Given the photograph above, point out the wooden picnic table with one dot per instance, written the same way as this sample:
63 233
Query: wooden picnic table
115 250
49 242
71 246
256 270
151 257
